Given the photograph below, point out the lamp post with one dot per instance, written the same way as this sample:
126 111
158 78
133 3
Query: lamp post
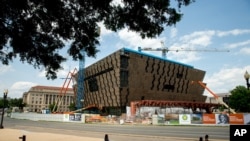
247 76
4 98
228 98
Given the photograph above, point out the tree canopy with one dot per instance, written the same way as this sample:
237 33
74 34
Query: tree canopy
240 99
36 30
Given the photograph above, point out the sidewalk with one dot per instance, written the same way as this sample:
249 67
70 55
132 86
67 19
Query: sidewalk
14 134
7 134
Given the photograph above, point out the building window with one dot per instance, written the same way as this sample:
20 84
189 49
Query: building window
169 87
124 78
93 86
46 99
124 62
179 75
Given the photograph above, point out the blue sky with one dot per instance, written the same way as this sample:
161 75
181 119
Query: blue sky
206 24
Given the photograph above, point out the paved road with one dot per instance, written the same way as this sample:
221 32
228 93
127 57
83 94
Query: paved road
122 132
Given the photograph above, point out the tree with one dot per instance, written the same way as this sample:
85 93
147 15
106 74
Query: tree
240 99
1 103
72 106
51 107
4 103
36 30
17 102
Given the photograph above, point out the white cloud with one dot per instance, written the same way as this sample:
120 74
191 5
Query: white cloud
184 57
103 30
245 50
61 73
226 79
173 32
239 44
4 69
233 32
187 47
41 73
18 88
198 38
134 40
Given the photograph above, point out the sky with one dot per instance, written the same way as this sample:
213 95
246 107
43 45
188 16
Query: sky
206 25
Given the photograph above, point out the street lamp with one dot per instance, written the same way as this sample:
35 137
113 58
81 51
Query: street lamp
228 98
4 98
247 76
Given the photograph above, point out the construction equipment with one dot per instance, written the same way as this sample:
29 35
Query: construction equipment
214 95
63 91
80 81
80 77
164 50
79 93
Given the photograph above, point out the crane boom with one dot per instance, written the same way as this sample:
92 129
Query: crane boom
214 95
164 50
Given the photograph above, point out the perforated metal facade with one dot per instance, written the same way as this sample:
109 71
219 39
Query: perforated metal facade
127 75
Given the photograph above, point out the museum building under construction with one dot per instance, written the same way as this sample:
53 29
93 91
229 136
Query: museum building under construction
129 78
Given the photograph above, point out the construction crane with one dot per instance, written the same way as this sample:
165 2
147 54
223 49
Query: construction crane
63 91
80 77
164 50
214 95
80 81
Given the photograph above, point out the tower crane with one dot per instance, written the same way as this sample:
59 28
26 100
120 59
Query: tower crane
164 50
80 81
80 77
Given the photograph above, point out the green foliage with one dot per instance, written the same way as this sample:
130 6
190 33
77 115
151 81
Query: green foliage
17 102
1 103
4 103
72 106
240 99
36 30
221 108
51 107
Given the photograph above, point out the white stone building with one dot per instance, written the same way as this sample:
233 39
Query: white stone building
38 98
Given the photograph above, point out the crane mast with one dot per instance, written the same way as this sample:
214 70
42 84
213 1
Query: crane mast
80 81
80 77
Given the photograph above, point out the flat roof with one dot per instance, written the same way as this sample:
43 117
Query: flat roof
156 57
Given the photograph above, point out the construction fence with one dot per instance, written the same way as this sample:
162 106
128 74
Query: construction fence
155 119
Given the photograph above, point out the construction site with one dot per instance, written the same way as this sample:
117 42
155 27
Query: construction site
135 83
129 78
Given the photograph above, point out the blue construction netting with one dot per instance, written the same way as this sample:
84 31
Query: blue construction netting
80 82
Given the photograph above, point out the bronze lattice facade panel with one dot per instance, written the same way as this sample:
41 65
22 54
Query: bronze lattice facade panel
128 75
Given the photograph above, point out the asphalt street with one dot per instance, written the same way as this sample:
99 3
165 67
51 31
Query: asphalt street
122 132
